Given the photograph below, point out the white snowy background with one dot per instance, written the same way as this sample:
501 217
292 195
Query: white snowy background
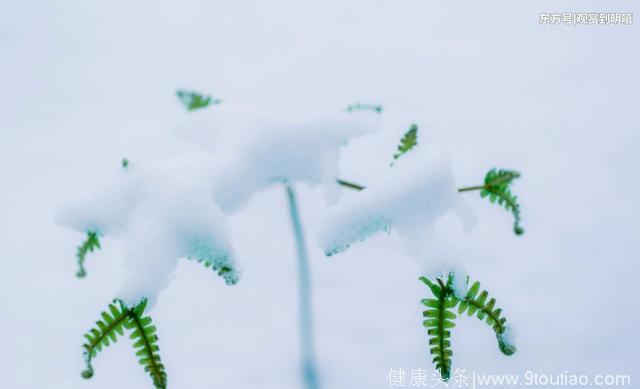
83 84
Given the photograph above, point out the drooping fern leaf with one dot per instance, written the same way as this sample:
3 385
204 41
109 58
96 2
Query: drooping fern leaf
113 323
223 268
146 342
89 245
486 310
364 107
193 100
496 188
408 141
104 333
439 321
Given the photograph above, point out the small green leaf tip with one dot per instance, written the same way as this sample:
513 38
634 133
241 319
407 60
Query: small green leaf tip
89 245
364 107
87 373
125 163
193 100
504 346
408 141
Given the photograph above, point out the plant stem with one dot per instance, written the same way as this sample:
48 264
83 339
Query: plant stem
355 186
349 184
309 372
470 188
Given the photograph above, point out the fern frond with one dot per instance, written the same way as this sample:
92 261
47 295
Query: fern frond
474 303
89 245
104 333
408 141
439 321
364 107
146 342
223 267
193 100
496 188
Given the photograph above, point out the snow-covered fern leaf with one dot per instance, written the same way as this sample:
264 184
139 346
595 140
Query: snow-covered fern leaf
408 141
223 267
364 107
193 100
439 322
439 319
146 343
474 303
89 245
104 333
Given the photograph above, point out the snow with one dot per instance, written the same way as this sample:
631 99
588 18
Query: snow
507 340
460 283
162 212
411 198
561 109
254 150
170 209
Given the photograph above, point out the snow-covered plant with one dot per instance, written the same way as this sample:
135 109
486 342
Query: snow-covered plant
411 198
439 318
161 212
176 208
114 322
255 150
193 100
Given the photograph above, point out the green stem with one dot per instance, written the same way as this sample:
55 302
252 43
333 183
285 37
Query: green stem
309 371
470 188
352 185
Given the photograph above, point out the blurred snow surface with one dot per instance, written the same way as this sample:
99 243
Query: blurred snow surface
86 84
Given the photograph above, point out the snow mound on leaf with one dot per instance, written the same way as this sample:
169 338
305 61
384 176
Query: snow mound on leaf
162 212
414 194
254 150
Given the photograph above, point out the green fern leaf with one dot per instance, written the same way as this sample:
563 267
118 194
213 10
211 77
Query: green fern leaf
474 303
496 187
104 333
146 343
193 100
89 245
364 107
113 324
439 321
408 141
